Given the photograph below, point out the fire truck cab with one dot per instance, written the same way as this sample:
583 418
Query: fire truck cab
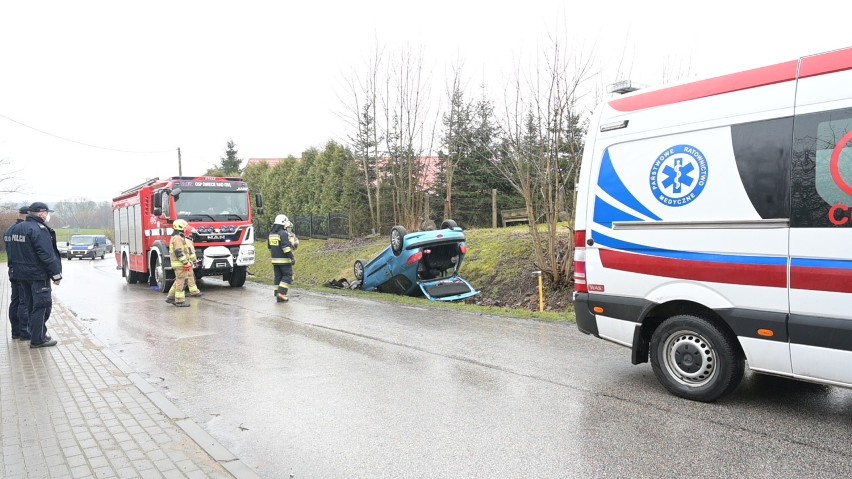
219 210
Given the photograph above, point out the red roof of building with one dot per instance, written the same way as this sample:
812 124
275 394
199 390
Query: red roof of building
269 161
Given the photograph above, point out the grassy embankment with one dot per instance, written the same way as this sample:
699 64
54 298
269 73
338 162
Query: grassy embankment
499 263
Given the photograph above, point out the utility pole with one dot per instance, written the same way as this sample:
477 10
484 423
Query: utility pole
180 168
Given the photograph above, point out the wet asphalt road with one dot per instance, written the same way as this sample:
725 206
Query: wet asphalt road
329 387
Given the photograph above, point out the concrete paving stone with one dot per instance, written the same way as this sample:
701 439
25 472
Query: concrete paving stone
92 452
157 455
59 470
98 462
150 474
104 473
134 454
164 465
177 456
127 473
54 460
173 474
76 461
120 462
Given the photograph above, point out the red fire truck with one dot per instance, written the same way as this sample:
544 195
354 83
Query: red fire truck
219 209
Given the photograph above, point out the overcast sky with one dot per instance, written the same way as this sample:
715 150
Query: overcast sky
81 80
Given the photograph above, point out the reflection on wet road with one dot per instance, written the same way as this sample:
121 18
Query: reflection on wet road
330 386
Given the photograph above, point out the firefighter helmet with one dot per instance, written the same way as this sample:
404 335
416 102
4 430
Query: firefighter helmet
180 225
283 221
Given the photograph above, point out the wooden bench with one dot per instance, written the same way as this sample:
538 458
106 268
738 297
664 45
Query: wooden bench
514 215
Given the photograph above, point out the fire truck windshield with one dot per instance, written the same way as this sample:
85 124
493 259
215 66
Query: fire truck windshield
212 205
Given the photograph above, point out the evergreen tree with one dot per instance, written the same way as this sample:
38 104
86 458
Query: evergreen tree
229 165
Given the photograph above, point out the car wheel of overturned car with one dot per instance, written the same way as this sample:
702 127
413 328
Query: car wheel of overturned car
695 359
396 236
358 269
448 224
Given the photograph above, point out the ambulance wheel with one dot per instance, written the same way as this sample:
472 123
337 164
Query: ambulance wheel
129 276
396 239
448 224
358 270
237 277
695 359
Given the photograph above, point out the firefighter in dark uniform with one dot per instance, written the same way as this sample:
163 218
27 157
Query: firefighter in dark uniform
18 309
281 250
35 258
182 260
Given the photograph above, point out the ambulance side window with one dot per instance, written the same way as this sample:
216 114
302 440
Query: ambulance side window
762 152
821 188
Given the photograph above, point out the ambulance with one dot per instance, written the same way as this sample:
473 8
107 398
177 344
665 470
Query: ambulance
713 226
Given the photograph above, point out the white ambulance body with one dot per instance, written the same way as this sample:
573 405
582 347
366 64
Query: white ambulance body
713 226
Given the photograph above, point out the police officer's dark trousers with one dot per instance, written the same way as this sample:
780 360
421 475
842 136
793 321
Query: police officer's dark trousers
19 311
37 294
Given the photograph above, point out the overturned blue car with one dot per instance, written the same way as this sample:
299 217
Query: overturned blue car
424 263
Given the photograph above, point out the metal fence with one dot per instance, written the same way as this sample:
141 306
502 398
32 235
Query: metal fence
333 225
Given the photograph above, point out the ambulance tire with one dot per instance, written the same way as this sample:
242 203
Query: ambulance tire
696 359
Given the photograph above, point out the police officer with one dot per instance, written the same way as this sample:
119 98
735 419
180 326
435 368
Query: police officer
35 258
182 263
283 259
18 309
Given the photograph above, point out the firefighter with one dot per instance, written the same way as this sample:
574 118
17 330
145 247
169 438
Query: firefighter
182 254
283 259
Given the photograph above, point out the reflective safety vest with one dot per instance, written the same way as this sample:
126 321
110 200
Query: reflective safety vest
280 248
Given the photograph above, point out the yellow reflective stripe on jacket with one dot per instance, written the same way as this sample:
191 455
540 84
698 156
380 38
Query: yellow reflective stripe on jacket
282 261
287 249
274 240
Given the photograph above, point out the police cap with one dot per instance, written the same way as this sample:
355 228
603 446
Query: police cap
23 210
38 207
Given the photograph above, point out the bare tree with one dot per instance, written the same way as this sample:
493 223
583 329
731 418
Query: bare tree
542 144
8 181
362 117
407 138
456 137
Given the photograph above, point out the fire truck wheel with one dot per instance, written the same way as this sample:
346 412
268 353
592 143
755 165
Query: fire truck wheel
160 278
129 276
695 359
237 277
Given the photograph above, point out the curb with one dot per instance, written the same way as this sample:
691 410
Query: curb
195 432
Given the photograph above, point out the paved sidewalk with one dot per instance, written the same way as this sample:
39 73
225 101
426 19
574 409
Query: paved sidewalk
76 410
